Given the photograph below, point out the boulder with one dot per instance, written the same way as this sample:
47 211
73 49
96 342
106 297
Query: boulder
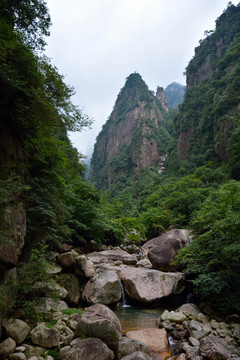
144 263
7 348
128 346
137 355
46 337
90 349
105 288
105 256
148 286
236 331
177 317
52 305
66 259
54 269
84 267
100 322
163 249
181 357
17 356
212 348
42 289
155 339
17 329
31 351
189 310
72 285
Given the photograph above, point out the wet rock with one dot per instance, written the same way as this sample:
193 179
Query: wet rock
162 250
45 337
148 286
100 322
127 346
90 349
155 339
212 348
105 288
17 329
7 348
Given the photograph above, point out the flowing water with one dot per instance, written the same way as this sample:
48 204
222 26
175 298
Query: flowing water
133 318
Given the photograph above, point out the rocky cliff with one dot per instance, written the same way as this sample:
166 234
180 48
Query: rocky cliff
207 123
174 94
135 136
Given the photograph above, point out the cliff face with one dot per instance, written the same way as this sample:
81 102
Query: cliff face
134 137
208 116
12 209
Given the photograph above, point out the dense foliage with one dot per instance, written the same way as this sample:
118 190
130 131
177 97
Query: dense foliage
36 113
214 254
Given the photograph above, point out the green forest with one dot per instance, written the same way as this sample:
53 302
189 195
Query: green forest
43 185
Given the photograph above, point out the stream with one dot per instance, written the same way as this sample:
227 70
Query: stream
134 318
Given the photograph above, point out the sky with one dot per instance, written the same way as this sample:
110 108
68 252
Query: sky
97 44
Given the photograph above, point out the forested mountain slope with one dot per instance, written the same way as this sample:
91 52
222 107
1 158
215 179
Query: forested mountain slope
207 125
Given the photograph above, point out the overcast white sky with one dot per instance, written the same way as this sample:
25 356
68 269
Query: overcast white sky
96 44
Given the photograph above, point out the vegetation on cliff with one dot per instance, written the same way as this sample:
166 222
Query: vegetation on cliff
39 167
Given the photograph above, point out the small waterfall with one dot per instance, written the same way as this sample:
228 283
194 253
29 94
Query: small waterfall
124 302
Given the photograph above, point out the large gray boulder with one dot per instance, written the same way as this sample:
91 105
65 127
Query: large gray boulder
100 322
114 255
212 348
45 337
105 288
17 329
148 286
163 249
90 349
7 348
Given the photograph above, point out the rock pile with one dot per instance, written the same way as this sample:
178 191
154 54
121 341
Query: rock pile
200 336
